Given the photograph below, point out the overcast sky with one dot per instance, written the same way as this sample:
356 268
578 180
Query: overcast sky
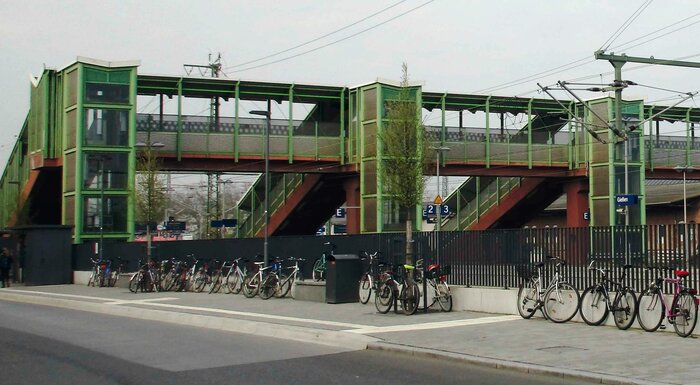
457 46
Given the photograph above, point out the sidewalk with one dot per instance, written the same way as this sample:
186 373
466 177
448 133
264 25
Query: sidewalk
602 354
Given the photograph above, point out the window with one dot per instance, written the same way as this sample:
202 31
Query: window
106 127
106 93
112 216
112 166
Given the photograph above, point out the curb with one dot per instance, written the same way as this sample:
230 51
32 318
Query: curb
571 374
263 329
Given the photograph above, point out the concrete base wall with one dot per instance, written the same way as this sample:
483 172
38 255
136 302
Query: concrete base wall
309 291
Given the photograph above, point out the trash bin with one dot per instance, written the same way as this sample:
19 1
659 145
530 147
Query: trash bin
343 278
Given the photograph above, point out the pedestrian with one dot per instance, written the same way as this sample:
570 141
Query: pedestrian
5 266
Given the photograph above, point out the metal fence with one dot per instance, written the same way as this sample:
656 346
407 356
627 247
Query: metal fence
491 258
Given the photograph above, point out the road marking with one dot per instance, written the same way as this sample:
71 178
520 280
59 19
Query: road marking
139 301
258 315
58 294
434 325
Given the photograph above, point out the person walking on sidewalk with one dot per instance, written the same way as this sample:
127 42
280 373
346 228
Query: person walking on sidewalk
5 266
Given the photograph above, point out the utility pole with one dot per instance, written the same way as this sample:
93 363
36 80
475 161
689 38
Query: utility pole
214 69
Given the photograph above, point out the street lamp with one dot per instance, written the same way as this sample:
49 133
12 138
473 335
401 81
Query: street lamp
438 151
685 169
266 154
148 146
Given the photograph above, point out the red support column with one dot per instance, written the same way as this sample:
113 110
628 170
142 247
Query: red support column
352 200
576 203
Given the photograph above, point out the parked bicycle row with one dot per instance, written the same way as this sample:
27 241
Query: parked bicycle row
559 301
404 284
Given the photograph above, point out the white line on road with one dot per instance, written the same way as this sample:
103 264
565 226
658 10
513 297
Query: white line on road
139 301
434 325
59 295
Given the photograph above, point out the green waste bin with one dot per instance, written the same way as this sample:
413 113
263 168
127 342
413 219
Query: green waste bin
343 273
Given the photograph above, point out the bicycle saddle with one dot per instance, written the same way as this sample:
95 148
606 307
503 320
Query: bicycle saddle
681 273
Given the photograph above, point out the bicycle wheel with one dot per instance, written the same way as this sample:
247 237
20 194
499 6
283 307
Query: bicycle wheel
224 284
650 309
384 296
134 282
215 284
625 309
686 309
112 278
251 286
199 281
285 285
410 295
100 278
235 283
365 288
168 281
444 297
268 286
561 302
319 271
527 298
594 307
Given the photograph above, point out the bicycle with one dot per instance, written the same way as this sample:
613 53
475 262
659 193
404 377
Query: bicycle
197 276
368 282
98 272
113 274
389 290
318 273
559 302
236 276
279 283
146 279
436 280
683 313
217 277
253 280
270 283
596 303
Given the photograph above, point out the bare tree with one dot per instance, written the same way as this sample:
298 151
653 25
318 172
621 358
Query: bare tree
404 155
150 188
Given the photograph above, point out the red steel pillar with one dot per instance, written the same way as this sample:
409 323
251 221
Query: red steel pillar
576 203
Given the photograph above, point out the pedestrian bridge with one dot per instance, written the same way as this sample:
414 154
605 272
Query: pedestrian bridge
74 162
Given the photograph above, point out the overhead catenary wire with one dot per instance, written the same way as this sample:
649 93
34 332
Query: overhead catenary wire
336 41
588 60
625 25
316 39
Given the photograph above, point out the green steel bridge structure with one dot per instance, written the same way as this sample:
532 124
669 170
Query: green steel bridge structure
74 162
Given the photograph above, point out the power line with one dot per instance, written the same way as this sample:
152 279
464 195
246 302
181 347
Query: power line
316 39
587 60
336 41
625 25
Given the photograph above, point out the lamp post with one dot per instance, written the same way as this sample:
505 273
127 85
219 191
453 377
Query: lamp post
685 169
438 151
148 146
266 154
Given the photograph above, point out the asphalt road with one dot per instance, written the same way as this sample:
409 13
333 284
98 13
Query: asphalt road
43 345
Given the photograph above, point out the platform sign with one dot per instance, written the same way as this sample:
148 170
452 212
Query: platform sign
432 210
626 200
340 213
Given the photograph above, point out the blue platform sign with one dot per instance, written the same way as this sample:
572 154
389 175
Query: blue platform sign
340 213
432 210
626 200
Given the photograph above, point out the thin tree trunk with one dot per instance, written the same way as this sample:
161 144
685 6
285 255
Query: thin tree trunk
409 242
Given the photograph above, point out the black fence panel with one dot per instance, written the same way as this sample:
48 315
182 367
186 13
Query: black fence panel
491 258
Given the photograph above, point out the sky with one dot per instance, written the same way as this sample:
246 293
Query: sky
486 47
